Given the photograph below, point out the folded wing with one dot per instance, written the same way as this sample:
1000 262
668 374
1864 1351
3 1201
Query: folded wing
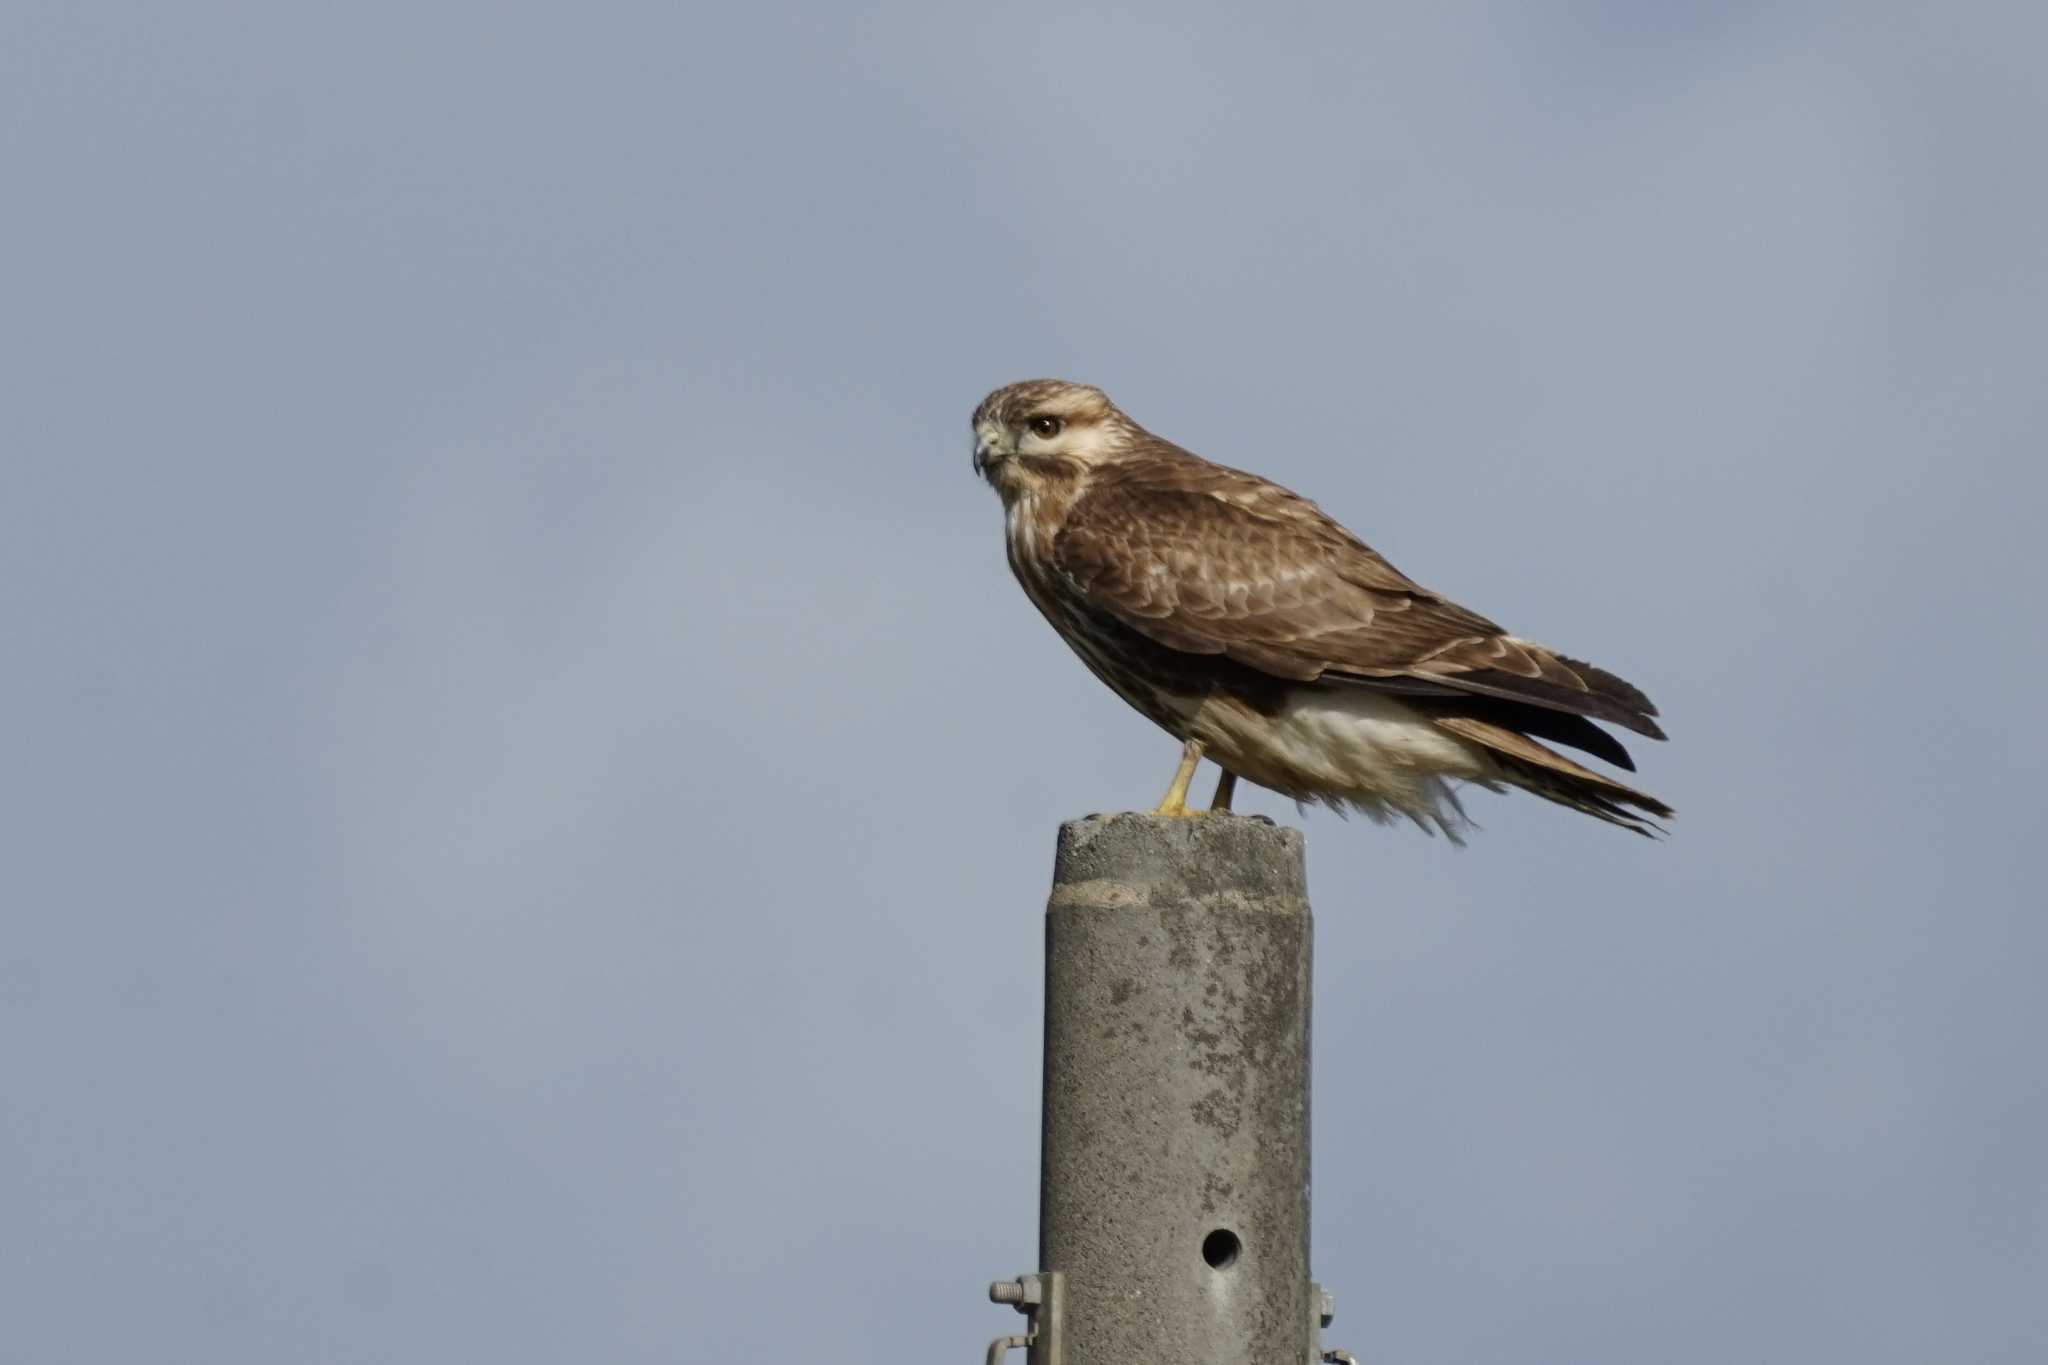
1210 560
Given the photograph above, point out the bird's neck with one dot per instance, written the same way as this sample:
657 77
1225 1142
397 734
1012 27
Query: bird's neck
1036 499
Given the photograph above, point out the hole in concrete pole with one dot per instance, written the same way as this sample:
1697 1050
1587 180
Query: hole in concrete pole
1220 1249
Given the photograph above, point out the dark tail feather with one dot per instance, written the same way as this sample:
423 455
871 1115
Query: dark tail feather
1559 727
1601 800
1604 697
1554 777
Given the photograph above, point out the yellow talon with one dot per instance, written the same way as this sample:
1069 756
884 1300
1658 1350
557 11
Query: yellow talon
1175 802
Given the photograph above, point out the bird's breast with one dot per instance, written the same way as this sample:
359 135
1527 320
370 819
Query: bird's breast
1160 683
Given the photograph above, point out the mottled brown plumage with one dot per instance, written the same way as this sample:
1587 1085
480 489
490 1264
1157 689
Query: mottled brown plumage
1243 620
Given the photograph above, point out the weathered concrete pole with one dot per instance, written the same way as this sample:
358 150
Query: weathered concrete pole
1173 1197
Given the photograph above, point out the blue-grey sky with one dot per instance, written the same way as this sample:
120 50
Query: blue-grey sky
529 789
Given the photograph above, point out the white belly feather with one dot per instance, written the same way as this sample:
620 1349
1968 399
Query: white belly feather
1349 747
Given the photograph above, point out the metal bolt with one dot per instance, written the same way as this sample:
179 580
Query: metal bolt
1024 1293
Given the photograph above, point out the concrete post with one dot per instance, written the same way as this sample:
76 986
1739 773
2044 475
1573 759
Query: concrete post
1173 1197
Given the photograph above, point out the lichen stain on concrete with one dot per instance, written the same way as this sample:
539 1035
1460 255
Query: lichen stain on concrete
1203 1038
1220 1109
1122 990
1273 1011
1214 1191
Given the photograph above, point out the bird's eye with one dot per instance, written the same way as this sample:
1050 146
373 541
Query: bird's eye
1047 427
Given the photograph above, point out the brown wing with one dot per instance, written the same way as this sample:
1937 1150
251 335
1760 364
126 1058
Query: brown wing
1211 560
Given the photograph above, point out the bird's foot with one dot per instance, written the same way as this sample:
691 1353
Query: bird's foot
1179 810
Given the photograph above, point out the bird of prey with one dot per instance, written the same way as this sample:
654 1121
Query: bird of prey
1266 637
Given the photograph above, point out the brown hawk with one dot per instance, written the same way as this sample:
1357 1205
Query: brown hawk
1268 638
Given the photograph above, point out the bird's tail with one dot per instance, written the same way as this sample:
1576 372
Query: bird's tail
1552 776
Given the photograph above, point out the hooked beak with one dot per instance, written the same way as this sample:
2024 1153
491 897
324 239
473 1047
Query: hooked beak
991 446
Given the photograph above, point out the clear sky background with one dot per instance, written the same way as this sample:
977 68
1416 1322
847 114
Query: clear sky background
529 790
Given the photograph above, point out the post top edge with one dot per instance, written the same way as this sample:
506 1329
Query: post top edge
1198 856
1228 822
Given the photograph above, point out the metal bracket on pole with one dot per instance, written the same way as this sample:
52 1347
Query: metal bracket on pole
1322 1312
1039 1298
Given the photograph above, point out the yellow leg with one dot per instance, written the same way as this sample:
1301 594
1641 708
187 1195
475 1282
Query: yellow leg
1226 787
1175 802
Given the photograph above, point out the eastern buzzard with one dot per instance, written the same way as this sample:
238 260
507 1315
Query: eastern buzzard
1269 639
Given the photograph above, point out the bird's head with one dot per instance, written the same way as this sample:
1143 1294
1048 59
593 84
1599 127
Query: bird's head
1041 428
